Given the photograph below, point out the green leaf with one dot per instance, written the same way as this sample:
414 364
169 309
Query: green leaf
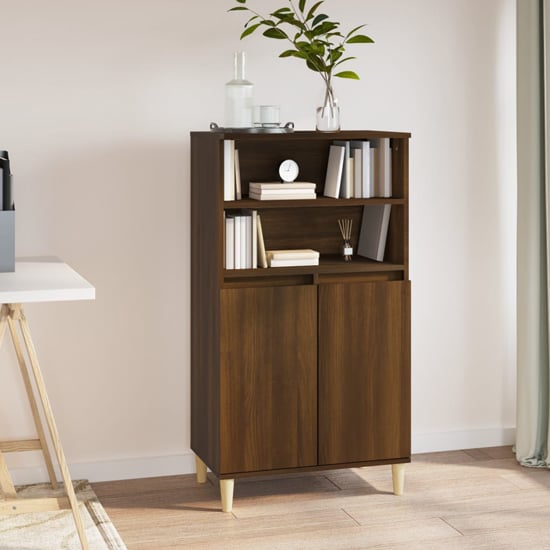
313 10
275 33
313 67
302 5
344 60
288 53
335 55
318 19
324 28
238 8
354 30
359 39
241 1
348 74
249 30
251 19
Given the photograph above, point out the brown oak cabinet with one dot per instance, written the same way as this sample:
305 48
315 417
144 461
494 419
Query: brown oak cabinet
297 368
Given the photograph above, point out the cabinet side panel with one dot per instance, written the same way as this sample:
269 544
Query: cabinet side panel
206 213
269 378
364 372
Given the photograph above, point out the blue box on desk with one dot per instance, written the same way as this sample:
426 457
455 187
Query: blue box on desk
7 240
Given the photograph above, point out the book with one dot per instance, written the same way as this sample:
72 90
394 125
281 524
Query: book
238 192
229 242
333 178
357 155
382 159
374 231
228 170
247 241
363 172
346 189
254 235
292 263
263 186
291 254
274 192
285 196
237 243
262 258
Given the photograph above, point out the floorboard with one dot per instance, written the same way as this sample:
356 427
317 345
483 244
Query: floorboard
476 498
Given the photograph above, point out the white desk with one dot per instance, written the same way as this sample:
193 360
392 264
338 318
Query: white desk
37 280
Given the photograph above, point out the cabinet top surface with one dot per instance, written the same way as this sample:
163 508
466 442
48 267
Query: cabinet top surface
304 134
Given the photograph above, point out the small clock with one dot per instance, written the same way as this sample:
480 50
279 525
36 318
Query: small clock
288 170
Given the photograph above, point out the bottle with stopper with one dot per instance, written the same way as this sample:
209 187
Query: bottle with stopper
239 96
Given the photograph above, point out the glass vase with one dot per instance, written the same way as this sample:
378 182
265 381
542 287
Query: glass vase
328 114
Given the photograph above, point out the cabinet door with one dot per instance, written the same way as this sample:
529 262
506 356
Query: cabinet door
268 384
364 372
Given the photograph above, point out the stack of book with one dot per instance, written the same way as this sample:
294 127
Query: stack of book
359 169
241 240
281 191
294 257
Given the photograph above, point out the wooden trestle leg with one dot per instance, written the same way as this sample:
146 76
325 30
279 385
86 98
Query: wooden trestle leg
11 313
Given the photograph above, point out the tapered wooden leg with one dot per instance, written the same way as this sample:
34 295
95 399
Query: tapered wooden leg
226 490
398 478
201 470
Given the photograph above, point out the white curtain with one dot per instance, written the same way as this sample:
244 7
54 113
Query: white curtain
533 93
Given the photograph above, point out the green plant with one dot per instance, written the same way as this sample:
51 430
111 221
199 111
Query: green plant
314 36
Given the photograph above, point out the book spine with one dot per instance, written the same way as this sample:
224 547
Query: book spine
229 242
229 170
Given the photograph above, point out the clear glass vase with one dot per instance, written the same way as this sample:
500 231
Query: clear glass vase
328 114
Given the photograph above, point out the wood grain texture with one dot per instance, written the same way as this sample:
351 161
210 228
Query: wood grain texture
364 380
206 267
475 499
269 378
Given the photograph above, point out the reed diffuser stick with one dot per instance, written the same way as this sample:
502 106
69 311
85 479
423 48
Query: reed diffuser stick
345 226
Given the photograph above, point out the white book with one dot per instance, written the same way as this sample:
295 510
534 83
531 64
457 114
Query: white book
351 174
293 254
357 155
228 170
292 263
345 187
262 258
286 196
245 243
335 166
248 240
237 243
229 242
374 231
238 192
275 192
277 185
365 169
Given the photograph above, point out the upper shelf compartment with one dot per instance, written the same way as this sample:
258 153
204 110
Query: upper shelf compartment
261 154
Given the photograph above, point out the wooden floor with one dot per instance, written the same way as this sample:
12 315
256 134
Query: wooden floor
479 498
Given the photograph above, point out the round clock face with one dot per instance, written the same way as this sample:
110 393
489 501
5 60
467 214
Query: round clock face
288 170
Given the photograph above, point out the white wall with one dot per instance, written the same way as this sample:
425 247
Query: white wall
96 103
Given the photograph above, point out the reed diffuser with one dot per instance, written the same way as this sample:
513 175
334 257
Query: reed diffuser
345 229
